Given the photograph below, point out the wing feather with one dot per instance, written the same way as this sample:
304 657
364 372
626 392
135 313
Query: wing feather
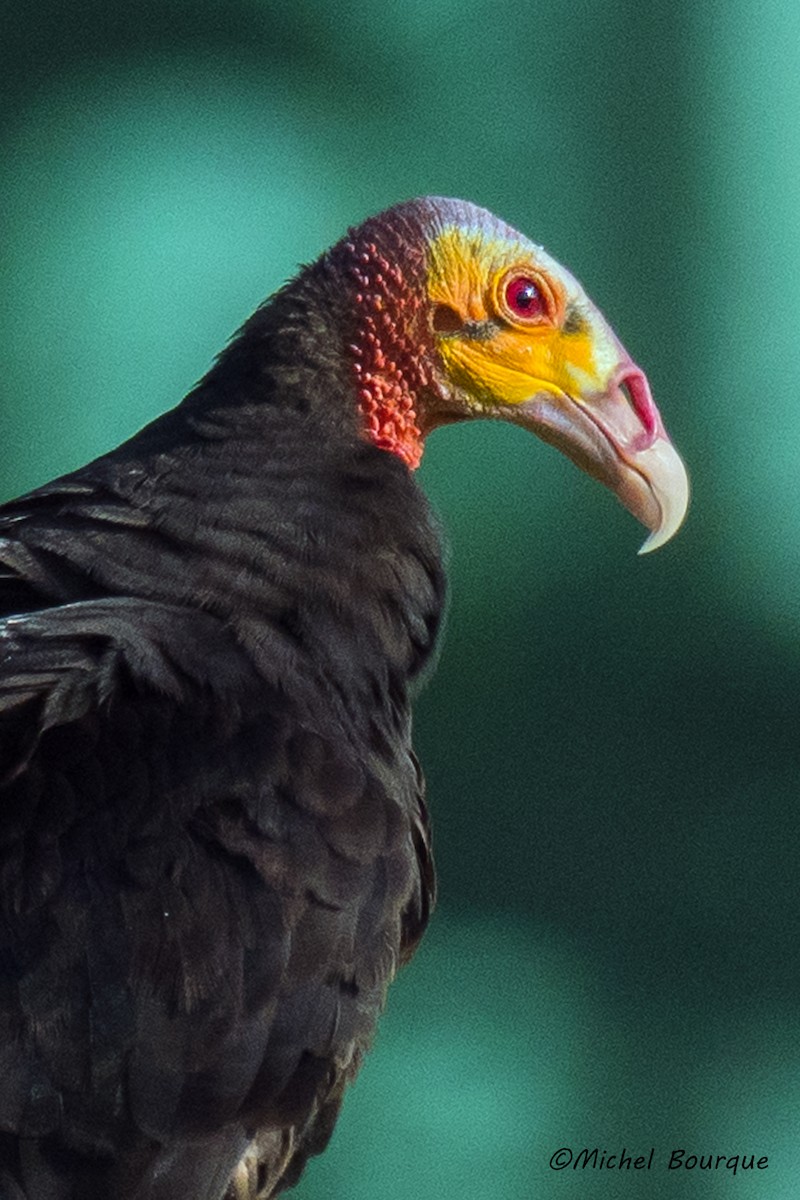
203 895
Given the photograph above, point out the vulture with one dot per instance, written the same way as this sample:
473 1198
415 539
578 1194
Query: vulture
214 844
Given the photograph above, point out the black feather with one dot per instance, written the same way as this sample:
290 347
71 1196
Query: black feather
214 851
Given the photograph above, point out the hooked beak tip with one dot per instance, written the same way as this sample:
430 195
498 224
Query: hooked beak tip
665 474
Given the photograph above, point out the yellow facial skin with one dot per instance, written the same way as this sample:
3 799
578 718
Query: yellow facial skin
557 369
506 361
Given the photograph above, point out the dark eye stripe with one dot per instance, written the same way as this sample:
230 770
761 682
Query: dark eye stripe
574 322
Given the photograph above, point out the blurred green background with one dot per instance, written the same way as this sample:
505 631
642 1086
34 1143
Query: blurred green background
610 742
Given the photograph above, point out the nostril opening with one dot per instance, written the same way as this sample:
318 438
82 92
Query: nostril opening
636 390
446 319
624 387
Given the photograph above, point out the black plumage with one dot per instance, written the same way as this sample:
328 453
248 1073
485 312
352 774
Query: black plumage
213 843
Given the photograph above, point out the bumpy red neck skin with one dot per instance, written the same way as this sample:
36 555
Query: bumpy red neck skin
386 356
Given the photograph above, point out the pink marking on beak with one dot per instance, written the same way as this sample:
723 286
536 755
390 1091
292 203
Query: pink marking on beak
633 383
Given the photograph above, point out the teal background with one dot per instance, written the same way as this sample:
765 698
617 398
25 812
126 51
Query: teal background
610 742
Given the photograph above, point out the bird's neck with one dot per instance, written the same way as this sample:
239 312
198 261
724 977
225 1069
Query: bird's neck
389 373
348 338
267 498
283 522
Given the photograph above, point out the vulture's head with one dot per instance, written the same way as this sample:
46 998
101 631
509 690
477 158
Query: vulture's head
456 315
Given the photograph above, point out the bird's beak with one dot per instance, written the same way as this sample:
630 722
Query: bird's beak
617 436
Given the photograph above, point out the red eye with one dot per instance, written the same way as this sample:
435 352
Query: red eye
524 297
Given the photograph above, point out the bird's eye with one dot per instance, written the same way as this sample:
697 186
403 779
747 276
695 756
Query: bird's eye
526 297
523 297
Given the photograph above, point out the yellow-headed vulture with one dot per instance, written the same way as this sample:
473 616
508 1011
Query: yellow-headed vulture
214 849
